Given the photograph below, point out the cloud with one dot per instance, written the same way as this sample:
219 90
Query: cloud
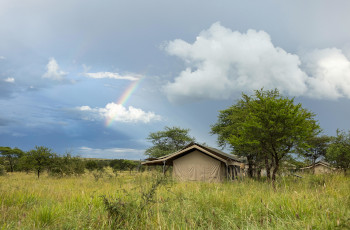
5 121
7 87
2 58
117 112
130 77
9 80
53 71
329 71
111 153
222 62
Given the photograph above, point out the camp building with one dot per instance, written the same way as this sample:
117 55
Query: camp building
320 167
196 162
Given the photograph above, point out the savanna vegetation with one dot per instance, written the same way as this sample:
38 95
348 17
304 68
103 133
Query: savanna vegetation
40 189
144 200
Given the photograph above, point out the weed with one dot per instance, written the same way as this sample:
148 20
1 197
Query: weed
121 210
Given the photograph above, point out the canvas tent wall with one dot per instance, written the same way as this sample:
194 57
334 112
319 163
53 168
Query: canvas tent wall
200 163
197 166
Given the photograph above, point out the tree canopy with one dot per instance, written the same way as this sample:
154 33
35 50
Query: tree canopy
168 141
338 152
11 156
39 158
316 148
266 126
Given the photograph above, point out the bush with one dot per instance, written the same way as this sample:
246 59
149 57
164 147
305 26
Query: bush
123 211
2 170
66 165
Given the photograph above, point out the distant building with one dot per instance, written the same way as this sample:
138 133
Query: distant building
319 167
200 163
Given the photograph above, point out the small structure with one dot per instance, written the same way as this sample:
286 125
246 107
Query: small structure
196 162
319 167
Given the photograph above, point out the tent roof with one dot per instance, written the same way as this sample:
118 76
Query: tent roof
323 163
212 152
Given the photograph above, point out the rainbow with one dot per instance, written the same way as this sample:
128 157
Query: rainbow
124 98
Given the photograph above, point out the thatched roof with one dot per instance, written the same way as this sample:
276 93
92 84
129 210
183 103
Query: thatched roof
228 159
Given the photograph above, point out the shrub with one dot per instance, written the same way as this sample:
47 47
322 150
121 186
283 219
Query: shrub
2 170
122 211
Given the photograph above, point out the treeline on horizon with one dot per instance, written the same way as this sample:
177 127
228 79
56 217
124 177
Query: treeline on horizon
42 159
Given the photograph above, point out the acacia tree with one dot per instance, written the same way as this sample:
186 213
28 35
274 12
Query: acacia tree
229 121
40 158
170 140
267 125
338 152
316 148
11 156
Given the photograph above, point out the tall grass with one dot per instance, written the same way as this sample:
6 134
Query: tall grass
312 202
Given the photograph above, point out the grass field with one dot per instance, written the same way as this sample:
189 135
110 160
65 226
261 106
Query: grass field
136 201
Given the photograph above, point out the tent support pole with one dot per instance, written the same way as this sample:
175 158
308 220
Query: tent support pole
226 172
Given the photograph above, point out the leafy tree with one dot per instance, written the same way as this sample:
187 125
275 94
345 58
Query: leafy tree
25 163
121 164
91 165
338 152
66 165
40 158
11 156
266 125
170 140
229 121
316 148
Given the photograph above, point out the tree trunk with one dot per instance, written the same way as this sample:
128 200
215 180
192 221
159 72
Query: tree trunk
267 165
250 167
275 170
258 173
11 166
38 173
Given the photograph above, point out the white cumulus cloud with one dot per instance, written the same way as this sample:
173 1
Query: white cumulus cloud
329 73
119 113
221 62
130 77
53 71
9 80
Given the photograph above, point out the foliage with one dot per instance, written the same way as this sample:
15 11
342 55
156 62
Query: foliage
121 164
66 165
40 158
267 126
11 156
170 140
25 163
316 148
338 152
120 210
295 162
92 165
2 170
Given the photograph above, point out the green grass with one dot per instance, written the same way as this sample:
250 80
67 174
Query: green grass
313 202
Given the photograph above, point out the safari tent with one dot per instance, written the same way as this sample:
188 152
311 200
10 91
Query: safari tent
196 162
320 167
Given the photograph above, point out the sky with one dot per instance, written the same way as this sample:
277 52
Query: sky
94 78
